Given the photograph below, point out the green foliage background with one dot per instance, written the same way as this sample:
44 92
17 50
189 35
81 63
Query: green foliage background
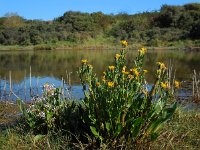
159 28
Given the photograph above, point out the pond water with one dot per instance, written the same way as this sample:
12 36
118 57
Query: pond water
55 66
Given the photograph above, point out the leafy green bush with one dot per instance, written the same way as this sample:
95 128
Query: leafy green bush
121 108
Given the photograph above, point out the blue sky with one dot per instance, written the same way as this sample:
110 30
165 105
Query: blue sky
50 9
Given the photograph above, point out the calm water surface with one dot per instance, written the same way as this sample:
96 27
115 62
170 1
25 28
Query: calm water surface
52 66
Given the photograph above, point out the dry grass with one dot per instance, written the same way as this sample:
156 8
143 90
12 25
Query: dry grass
182 132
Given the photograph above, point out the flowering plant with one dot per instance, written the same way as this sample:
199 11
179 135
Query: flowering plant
51 111
121 106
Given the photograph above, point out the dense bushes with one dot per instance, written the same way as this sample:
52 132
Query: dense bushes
181 22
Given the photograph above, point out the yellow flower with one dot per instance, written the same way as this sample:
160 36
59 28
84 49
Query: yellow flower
164 85
142 50
84 61
111 67
104 73
135 72
161 65
145 71
117 56
124 43
177 84
98 84
110 84
124 68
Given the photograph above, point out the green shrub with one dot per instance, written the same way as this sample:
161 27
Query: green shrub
121 108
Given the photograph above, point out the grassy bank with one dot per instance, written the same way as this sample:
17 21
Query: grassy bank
105 43
182 132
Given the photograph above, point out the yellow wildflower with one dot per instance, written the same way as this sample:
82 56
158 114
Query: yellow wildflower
111 67
104 73
117 56
124 43
110 84
98 84
177 84
164 85
142 50
135 72
124 68
161 65
84 61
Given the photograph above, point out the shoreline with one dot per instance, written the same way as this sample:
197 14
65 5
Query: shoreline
93 47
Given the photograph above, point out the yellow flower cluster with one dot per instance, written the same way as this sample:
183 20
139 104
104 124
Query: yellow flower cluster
84 61
124 43
110 84
142 50
112 68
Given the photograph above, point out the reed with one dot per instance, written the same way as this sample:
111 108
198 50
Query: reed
196 86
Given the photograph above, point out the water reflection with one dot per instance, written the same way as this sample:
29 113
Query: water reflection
52 66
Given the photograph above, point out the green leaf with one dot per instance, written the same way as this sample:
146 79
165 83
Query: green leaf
136 126
108 126
49 115
94 131
118 130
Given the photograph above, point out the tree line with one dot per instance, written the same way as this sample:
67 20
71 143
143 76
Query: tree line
171 23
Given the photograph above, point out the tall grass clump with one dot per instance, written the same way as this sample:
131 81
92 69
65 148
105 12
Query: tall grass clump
121 108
